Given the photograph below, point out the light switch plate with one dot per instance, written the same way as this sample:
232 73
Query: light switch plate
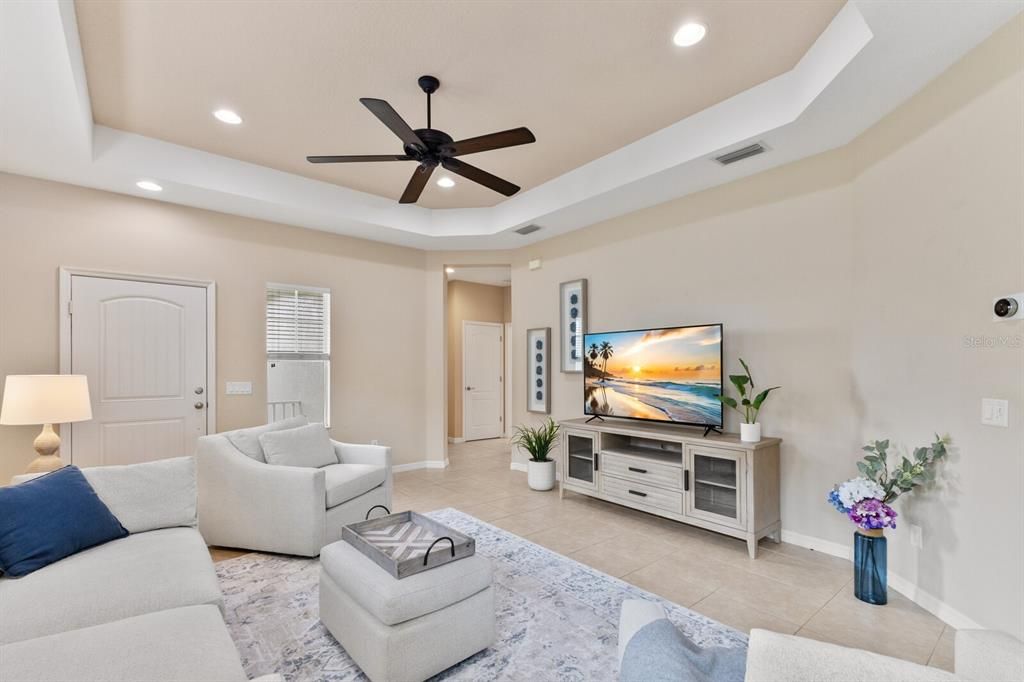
995 412
238 388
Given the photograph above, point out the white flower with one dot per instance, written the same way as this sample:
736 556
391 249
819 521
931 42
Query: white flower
856 489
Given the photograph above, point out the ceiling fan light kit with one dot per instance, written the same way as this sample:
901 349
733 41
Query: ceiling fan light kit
432 148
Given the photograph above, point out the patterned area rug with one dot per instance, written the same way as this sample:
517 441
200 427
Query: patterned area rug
557 619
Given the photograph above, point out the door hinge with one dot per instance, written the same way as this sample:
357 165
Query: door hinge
70 307
501 379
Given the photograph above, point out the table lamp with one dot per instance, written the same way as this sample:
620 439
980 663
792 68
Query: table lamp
45 399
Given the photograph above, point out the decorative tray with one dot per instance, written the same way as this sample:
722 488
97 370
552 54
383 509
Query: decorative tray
407 543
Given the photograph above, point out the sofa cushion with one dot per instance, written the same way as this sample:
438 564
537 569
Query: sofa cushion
146 572
148 496
49 518
248 440
346 482
396 601
306 446
189 643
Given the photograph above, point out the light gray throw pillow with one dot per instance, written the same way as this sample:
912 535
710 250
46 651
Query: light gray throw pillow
659 652
248 440
307 446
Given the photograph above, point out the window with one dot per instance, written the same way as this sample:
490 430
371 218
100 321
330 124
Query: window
298 353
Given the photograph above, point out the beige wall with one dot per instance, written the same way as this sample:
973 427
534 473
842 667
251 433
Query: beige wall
853 279
378 313
467 301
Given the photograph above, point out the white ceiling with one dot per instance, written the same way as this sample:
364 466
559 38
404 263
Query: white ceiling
586 77
495 275
871 57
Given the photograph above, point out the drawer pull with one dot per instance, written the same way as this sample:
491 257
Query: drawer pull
639 471
638 494
686 479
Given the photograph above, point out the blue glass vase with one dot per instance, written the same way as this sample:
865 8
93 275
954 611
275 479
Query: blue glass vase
869 566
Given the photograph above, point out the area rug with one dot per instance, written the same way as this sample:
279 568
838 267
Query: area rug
557 618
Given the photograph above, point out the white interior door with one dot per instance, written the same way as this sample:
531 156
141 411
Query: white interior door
482 378
143 346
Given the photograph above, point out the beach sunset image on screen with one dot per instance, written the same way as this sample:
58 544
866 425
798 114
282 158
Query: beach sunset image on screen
671 374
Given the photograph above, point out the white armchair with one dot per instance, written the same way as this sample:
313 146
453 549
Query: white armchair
245 502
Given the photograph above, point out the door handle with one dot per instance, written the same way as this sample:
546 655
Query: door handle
199 390
199 405
469 388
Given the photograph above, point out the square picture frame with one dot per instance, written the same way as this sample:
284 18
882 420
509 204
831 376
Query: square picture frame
538 370
572 324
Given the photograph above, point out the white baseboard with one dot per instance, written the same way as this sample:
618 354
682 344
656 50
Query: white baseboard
426 464
456 440
907 588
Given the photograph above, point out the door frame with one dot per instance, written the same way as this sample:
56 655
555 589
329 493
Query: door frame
64 324
504 375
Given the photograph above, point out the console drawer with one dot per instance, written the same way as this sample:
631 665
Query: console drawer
642 470
641 493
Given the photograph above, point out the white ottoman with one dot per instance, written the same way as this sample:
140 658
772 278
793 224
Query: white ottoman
406 630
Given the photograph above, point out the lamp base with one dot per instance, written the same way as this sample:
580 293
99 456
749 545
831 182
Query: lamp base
47 443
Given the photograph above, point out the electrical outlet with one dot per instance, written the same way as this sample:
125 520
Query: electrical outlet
915 537
995 412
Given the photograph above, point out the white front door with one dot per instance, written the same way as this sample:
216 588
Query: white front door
482 378
143 347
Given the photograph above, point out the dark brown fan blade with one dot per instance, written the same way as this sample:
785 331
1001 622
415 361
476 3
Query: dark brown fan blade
484 143
480 176
355 159
416 184
389 117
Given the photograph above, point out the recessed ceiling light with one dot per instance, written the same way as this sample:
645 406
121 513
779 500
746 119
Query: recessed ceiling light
446 182
450 271
689 34
149 186
227 116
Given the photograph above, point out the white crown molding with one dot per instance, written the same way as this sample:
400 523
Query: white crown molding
871 57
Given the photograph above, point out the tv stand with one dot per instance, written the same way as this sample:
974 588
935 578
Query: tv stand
714 481
597 417
711 429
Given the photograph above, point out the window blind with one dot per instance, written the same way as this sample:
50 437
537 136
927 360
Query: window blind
298 323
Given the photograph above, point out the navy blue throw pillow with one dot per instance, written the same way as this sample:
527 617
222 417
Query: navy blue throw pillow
48 518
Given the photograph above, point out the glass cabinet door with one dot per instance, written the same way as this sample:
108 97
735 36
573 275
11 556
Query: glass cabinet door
714 486
580 458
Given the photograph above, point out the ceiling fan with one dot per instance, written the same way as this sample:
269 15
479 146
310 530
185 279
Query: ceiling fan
432 148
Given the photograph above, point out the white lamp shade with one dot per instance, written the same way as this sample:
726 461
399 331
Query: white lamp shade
45 399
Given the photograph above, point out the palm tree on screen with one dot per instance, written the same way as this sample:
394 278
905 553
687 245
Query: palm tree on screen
606 351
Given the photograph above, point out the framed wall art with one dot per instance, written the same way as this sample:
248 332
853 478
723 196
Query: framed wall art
538 362
573 320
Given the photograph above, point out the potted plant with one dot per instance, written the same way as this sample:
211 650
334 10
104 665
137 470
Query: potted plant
866 501
748 405
538 442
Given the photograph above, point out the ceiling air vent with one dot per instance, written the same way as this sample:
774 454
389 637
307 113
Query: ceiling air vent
528 229
740 154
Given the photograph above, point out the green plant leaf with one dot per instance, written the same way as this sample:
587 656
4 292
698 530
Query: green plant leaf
863 468
731 402
747 370
759 400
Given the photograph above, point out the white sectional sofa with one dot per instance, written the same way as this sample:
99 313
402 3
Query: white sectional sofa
980 656
247 503
144 607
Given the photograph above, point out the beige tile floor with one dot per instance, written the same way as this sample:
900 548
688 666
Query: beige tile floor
787 588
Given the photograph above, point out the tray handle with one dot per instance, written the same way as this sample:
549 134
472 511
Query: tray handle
450 541
376 506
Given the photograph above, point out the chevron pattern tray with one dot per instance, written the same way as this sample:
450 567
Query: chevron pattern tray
399 543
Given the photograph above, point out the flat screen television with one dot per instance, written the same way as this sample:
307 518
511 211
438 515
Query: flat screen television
670 375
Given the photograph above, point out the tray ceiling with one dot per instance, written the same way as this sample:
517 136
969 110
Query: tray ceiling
587 77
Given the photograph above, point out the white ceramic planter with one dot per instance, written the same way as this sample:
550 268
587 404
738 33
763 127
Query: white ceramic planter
750 433
540 475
